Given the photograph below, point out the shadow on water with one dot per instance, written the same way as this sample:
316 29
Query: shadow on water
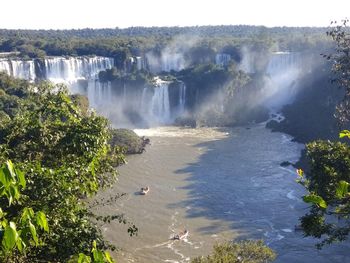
238 181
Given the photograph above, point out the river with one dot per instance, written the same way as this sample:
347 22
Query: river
220 184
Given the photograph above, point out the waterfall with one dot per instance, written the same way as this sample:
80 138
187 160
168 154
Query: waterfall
67 70
167 61
160 105
79 73
222 59
182 98
5 65
58 69
23 69
155 104
283 69
144 100
99 94
174 61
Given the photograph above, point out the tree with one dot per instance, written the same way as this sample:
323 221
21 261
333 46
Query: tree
245 251
66 156
327 181
19 225
341 66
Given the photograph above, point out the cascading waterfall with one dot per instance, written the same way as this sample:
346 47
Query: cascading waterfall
155 103
160 105
152 103
99 94
283 69
222 59
23 69
182 98
174 61
58 69
69 71
5 66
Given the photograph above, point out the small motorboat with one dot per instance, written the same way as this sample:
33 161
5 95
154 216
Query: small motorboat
144 190
182 235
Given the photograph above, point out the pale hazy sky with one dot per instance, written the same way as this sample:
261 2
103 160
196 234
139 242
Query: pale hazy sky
67 14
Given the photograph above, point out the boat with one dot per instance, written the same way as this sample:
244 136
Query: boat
182 235
144 190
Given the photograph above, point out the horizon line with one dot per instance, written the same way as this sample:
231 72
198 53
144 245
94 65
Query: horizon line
175 26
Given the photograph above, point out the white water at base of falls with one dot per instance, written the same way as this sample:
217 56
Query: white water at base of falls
99 94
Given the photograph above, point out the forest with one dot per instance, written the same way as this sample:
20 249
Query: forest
120 43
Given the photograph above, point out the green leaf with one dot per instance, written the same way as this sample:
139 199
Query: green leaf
10 236
5 176
13 190
21 178
342 189
20 244
344 133
33 232
10 167
108 257
27 214
316 200
98 255
84 258
42 221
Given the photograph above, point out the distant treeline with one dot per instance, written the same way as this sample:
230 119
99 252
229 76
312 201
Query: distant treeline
120 43
204 31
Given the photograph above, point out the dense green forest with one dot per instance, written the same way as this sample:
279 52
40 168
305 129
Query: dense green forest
120 43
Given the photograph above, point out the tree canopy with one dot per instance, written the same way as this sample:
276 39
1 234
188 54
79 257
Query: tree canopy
327 181
62 155
248 251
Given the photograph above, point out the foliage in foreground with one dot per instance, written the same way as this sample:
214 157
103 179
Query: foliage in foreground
65 156
19 229
245 251
341 67
327 184
328 180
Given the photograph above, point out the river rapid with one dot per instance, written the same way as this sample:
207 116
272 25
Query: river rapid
220 184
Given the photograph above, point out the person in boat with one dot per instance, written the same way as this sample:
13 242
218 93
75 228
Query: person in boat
181 235
144 190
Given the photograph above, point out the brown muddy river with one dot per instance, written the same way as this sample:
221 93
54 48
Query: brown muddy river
218 184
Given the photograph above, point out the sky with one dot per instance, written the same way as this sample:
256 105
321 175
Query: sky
68 14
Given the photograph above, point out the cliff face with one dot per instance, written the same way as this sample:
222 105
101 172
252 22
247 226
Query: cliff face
311 115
